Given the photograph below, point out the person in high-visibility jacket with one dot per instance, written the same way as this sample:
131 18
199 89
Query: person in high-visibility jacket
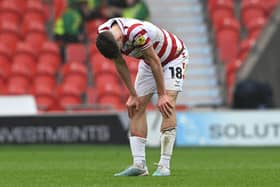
69 27
137 9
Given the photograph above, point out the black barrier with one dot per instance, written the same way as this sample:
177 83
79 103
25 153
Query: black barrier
62 129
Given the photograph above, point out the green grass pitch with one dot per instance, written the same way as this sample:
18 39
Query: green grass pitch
90 165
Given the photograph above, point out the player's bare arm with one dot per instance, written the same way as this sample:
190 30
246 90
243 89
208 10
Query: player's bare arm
133 101
164 104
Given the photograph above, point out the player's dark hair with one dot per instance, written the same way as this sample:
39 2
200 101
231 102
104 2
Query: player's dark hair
107 45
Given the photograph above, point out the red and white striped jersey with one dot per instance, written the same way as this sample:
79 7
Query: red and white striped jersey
139 35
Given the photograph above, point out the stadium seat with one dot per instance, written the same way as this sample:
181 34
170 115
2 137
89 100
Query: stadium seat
269 6
106 77
69 95
92 50
251 9
231 70
10 12
108 89
9 34
245 47
26 55
5 63
5 70
102 70
35 34
100 65
45 79
59 7
22 70
132 64
35 11
91 28
75 73
5 55
44 95
110 94
255 27
50 47
18 85
76 52
50 55
112 101
220 9
91 95
47 66
228 32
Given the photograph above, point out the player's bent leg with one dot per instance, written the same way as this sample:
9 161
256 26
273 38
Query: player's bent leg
168 136
137 140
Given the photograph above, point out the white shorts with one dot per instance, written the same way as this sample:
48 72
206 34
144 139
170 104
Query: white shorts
173 73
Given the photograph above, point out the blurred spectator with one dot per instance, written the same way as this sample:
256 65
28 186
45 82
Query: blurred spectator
251 94
137 9
106 9
115 8
69 27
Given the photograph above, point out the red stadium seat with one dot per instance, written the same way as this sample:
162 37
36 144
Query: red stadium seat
59 7
106 77
76 52
45 79
5 62
50 47
50 56
5 70
231 70
11 12
110 94
75 73
18 85
112 101
228 32
69 95
22 70
91 95
35 11
101 65
251 9
45 95
245 47
36 34
91 28
9 34
108 89
21 4
132 64
212 3
255 27
269 6
5 56
47 66
92 50
26 55
221 9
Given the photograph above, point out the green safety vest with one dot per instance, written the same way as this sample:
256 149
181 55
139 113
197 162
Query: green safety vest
139 11
68 23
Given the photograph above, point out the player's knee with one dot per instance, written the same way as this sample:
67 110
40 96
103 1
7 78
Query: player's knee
168 124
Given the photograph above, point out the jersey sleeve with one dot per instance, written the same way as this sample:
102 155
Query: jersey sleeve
140 37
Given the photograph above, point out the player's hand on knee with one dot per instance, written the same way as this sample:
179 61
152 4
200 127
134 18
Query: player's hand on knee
132 104
164 105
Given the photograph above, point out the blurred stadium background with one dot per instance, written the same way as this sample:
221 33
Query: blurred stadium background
55 88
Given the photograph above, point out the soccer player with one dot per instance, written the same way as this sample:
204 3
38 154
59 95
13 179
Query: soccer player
163 59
